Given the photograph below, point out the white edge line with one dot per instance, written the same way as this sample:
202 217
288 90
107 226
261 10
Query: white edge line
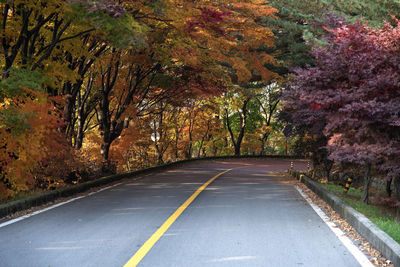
52 207
360 257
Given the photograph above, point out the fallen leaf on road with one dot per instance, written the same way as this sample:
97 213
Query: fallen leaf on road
373 255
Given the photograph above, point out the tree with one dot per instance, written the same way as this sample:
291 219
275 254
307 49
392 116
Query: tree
29 136
299 25
49 36
102 67
119 97
31 32
268 99
200 121
306 123
354 87
241 115
235 121
115 25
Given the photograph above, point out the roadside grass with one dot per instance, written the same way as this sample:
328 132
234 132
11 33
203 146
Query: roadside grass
338 190
381 216
389 227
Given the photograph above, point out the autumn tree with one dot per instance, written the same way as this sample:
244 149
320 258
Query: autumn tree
240 48
268 98
306 123
42 48
239 112
146 81
31 31
51 38
354 88
100 68
208 124
299 25
30 136
200 118
114 26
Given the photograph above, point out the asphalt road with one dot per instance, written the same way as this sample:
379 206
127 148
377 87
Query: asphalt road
249 216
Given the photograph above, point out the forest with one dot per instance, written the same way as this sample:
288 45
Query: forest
90 88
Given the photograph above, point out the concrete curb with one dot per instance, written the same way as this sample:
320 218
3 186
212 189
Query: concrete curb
29 202
389 248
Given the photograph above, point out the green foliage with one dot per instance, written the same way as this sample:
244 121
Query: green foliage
19 80
298 23
374 12
20 84
163 80
254 118
15 120
294 19
338 190
388 226
380 216
120 31
156 5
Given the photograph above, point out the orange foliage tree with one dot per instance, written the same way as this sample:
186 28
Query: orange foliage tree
95 73
31 142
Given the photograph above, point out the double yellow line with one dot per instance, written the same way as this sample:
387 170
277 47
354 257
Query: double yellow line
139 255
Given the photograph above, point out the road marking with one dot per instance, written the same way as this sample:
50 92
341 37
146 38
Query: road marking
139 255
59 248
52 207
360 257
237 258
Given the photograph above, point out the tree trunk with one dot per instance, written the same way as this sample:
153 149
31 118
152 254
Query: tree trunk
176 143
79 139
189 151
262 151
328 164
397 189
160 159
367 182
237 149
202 140
105 150
214 148
243 120
107 166
264 140
79 129
200 149
388 189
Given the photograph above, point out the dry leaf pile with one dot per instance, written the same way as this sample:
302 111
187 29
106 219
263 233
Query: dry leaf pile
373 255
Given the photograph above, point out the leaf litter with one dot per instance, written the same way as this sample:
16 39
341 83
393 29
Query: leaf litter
374 256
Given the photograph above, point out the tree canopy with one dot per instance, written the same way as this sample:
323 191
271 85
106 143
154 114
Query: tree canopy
94 87
78 76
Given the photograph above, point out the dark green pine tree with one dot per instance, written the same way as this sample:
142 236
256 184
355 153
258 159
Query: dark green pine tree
297 25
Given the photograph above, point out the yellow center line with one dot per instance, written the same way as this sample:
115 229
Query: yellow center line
139 255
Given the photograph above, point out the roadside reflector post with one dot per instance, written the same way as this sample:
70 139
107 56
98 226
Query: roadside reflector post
349 180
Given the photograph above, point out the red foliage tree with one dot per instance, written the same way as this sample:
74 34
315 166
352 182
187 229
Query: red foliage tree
353 94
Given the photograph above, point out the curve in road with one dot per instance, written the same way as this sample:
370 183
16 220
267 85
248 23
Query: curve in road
249 216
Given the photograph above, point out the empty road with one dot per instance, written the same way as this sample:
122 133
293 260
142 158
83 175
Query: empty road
248 216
